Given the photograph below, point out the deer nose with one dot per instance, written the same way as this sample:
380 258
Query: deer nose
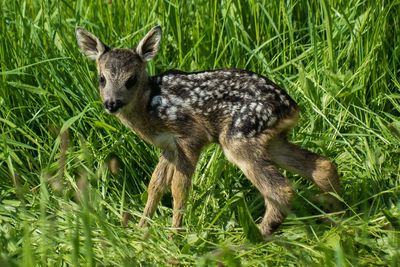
113 106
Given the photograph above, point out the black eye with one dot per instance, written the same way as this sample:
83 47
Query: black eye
102 81
130 82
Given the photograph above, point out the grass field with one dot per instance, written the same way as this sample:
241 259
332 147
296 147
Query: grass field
73 179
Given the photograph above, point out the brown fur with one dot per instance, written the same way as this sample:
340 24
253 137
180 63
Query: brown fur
255 148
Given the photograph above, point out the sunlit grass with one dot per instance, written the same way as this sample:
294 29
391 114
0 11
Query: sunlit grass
62 203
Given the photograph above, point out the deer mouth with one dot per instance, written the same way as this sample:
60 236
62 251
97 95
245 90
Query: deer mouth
113 106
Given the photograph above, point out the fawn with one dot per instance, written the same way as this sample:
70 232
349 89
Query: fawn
180 112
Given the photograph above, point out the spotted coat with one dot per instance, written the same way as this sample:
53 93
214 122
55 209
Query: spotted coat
248 115
250 102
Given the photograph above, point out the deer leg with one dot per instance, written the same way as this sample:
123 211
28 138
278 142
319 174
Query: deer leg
312 166
274 187
159 182
181 181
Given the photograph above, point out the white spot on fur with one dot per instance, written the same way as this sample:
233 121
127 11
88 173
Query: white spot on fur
218 94
252 133
271 121
239 135
238 123
264 117
171 112
258 108
156 101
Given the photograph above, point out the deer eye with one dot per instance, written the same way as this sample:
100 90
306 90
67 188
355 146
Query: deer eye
130 82
102 80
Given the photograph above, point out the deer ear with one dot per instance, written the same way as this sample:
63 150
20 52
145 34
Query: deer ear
89 44
149 45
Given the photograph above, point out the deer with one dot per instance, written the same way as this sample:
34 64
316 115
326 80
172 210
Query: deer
180 112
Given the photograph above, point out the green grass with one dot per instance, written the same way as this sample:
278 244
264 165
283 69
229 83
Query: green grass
62 205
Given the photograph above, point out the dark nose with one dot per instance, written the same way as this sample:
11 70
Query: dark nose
113 106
